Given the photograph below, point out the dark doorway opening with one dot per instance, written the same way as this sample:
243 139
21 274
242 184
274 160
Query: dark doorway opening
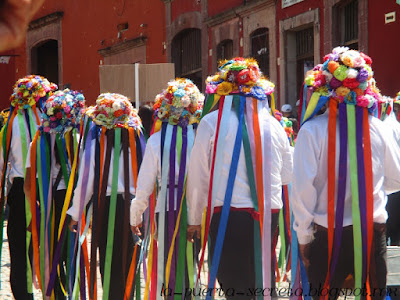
45 60
186 55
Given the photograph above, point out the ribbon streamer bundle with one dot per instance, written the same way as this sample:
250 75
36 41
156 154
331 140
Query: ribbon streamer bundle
53 148
29 94
178 110
344 81
240 88
111 124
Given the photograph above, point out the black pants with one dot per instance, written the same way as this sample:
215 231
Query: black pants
236 271
318 257
393 222
117 278
59 198
16 231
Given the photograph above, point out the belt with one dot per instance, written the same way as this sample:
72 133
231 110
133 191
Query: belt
255 214
380 227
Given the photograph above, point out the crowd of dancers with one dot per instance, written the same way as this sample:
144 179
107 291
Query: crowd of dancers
205 192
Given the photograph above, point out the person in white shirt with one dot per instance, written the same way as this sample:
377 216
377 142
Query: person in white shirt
109 160
263 157
27 99
60 121
177 110
339 198
393 202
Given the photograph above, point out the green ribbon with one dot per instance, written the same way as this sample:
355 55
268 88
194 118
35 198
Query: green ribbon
208 105
354 195
111 216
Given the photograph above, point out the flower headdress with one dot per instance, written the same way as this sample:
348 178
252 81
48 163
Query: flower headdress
240 76
29 90
180 104
113 111
397 98
63 111
385 107
345 76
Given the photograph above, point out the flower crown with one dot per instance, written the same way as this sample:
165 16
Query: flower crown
397 98
114 110
240 76
180 104
63 111
29 90
346 75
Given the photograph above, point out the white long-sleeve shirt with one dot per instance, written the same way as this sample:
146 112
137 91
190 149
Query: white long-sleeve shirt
201 159
149 174
394 126
310 183
15 157
76 200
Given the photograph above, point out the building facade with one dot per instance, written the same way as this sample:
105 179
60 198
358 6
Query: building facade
68 40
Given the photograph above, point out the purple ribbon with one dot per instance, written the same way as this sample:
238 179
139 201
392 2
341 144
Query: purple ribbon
341 188
56 260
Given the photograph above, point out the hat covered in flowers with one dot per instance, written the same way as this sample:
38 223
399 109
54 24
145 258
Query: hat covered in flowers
29 90
114 110
240 76
180 104
63 111
396 99
346 75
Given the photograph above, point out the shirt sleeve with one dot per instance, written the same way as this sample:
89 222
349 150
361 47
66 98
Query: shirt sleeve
145 184
199 174
287 159
28 157
304 193
391 165
77 199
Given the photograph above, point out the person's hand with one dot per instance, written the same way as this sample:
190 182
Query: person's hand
15 16
191 230
136 229
305 254
72 225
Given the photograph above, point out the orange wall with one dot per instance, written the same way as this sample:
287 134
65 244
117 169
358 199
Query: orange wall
90 25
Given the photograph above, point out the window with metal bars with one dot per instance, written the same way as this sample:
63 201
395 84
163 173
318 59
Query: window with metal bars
345 24
260 48
350 24
186 55
224 50
304 54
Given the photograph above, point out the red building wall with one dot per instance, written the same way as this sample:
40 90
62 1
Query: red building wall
179 7
7 79
88 26
384 45
216 7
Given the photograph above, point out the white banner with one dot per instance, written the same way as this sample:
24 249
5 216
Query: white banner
286 3
4 59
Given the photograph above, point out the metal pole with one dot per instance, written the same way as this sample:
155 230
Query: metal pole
137 85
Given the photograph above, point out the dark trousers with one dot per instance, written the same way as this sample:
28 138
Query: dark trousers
393 222
318 257
59 198
118 277
236 271
16 231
